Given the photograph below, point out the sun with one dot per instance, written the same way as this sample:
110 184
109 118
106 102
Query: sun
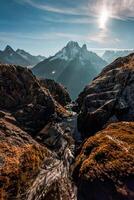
103 18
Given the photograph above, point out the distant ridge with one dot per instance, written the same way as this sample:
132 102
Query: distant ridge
111 55
33 60
19 57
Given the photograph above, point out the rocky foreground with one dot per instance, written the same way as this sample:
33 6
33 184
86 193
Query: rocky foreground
104 168
36 145
47 154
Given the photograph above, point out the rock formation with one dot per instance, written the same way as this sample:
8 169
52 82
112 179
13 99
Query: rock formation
109 98
20 158
36 167
22 94
58 91
104 169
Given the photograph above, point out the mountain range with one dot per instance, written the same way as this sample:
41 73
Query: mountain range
19 57
110 56
73 66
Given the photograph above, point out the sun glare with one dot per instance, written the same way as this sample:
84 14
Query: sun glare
103 18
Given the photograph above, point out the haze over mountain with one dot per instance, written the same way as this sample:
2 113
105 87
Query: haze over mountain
19 57
9 56
33 60
73 66
110 56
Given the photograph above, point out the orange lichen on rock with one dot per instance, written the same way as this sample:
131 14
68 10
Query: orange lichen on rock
108 154
20 160
104 169
61 111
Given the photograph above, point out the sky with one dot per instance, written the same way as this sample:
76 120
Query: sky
45 26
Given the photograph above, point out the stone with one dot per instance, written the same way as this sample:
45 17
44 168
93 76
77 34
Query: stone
57 90
104 168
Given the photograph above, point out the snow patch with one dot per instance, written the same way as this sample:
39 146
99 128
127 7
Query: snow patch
53 72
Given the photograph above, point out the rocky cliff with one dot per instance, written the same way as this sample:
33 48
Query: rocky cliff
109 98
104 168
22 95
58 91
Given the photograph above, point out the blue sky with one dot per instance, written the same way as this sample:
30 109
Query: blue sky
45 26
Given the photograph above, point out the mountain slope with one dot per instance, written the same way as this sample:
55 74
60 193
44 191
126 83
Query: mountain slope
75 76
19 57
73 66
9 56
33 60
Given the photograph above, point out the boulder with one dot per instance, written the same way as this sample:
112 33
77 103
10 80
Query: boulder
104 168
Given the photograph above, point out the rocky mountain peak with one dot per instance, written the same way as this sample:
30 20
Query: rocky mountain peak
72 49
69 52
8 49
72 44
84 47
20 51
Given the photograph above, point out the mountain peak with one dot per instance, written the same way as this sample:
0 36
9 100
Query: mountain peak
72 44
20 50
84 47
8 49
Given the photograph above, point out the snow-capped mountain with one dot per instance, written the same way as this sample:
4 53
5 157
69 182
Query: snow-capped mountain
19 57
110 56
67 53
73 66
33 60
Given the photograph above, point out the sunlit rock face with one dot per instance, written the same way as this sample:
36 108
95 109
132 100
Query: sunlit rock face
104 168
109 98
20 159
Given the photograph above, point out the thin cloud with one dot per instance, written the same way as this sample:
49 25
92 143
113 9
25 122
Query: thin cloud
40 36
51 8
118 9
121 9
103 37
85 20
70 36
